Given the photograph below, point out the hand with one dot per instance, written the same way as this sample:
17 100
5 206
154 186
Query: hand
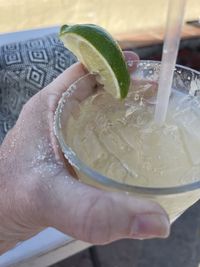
38 190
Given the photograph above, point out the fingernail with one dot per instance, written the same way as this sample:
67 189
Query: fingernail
151 225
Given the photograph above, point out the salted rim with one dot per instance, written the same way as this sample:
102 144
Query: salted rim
106 181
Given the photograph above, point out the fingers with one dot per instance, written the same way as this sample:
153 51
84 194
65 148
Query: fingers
64 80
70 81
100 217
77 70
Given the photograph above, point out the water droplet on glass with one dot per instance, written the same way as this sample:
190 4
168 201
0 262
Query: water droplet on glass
137 96
130 63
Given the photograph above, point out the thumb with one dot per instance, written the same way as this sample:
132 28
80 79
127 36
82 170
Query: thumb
99 217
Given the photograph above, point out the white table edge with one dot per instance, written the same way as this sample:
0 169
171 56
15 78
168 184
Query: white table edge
55 255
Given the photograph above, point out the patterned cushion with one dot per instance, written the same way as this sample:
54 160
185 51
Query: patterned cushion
25 68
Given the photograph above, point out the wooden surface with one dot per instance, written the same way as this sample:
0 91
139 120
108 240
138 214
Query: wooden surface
181 249
50 257
152 37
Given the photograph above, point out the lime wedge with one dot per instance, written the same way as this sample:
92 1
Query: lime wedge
99 53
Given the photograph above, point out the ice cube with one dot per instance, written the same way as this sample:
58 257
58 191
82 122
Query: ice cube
116 170
189 122
85 144
191 176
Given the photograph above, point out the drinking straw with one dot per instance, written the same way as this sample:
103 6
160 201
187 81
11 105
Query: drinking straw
173 28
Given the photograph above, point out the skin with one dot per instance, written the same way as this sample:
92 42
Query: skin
38 189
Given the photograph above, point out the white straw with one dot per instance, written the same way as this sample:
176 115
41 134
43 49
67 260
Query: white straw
174 24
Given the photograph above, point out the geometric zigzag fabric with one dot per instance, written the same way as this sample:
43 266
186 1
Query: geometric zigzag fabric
25 68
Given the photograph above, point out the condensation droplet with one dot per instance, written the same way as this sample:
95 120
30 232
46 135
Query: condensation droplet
130 63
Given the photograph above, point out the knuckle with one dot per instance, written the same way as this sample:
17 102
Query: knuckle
98 223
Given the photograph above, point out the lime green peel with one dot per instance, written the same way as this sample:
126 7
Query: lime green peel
99 53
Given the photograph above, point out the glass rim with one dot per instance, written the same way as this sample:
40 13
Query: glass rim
103 180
